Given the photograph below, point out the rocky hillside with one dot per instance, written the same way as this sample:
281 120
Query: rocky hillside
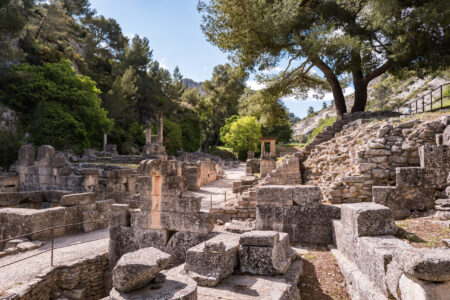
385 93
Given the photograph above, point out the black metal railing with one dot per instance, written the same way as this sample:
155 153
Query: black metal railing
433 100
52 240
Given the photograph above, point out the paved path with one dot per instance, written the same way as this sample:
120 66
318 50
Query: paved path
218 188
12 276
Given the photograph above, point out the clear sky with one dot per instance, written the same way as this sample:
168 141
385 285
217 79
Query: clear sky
173 28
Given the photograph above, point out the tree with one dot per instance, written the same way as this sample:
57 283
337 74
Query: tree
14 15
58 106
360 38
242 135
324 105
310 110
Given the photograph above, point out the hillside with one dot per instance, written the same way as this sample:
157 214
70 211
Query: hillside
385 93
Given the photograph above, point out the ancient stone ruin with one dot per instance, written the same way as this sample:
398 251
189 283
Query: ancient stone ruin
348 192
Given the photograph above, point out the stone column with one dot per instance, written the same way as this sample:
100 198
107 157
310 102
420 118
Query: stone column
273 152
160 128
263 149
105 141
148 134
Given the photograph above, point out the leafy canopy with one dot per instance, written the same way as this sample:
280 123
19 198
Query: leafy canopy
241 134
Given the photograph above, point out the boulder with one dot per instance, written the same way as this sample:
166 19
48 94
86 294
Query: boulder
135 270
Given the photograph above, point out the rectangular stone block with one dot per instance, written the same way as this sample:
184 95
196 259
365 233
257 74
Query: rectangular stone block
417 177
306 194
279 195
77 199
199 222
435 157
208 267
368 219
187 204
259 238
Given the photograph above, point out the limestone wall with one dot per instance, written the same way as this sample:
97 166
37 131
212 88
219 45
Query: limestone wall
52 171
365 154
9 182
86 278
72 209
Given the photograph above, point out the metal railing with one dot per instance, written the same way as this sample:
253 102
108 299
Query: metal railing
225 197
431 101
52 239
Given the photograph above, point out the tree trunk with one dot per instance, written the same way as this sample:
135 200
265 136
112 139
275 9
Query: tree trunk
360 85
338 95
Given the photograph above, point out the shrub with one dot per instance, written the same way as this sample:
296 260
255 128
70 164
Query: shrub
241 135
173 139
9 147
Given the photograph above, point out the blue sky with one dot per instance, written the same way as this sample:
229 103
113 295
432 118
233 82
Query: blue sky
173 28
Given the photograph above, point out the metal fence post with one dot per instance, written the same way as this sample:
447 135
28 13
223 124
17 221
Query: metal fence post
416 106
53 244
210 205
431 100
423 104
442 103
225 197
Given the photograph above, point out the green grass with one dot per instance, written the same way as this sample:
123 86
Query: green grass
222 151
322 124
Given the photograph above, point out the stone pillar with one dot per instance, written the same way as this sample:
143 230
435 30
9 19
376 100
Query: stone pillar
263 149
273 152
148 134
250 154
160 128
105 141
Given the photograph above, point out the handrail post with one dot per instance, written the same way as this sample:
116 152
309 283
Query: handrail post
431 100
423 104
225 197
410 109
442 103
53 244
416 106
210 204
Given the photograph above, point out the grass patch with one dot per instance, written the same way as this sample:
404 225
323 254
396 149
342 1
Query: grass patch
222 151
322 124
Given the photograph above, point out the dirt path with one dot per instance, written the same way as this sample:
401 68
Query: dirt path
321 279
14 275
217 189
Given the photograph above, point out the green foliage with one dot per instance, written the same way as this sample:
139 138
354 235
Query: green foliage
191 134
357 39
173 139
129 137
9 146
242 135
61 107
322 124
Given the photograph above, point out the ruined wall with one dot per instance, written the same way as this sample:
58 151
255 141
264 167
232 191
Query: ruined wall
365 154
200 173
52 171
162 215
73 209
9 182
86 278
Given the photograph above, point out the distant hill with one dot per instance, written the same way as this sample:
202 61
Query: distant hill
191 84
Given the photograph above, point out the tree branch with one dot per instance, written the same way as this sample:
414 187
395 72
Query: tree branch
377 72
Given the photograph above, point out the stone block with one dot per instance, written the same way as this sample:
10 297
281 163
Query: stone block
266 260
186 204
176 287
259 238
45 155
26 155
77 199
425 264
90 220
414 176
136 269
413 288
446 136
306 194
214 260
435 157
368 219
276 195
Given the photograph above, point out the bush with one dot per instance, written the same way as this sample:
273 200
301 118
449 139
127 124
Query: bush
191 134
241 135
129 138
173 139
9 147
61 107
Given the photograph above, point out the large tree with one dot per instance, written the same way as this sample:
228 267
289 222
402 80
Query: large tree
358 38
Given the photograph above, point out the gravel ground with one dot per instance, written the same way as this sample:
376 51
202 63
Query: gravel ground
218 188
